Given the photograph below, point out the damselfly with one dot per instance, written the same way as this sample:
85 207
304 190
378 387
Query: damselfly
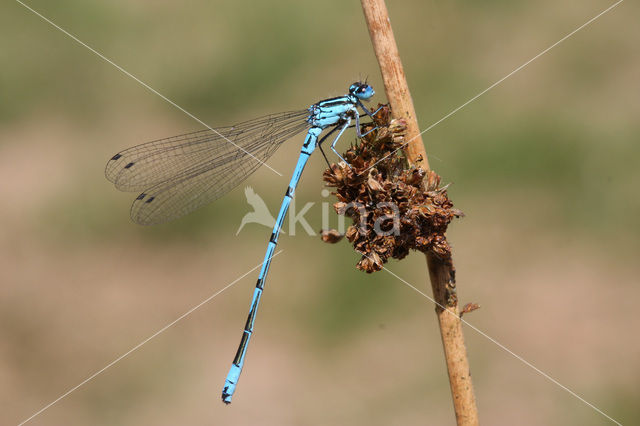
179 174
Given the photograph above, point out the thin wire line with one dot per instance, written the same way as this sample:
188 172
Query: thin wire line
151 89
503 347
518 357
136 347
386 269
497 82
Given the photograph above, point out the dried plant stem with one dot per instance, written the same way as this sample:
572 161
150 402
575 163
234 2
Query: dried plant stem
442 274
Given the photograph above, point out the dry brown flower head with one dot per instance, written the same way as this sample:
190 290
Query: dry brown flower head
378 190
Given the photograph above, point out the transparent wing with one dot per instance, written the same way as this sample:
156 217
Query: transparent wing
179 174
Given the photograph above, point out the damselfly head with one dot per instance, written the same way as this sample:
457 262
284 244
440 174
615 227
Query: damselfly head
361 91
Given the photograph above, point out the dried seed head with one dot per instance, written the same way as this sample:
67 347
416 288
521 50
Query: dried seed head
469 307
394 207
330 236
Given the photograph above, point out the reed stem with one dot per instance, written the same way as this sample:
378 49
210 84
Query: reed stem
441 273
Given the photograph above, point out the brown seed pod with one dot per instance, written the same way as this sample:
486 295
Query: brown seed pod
395 208
331 236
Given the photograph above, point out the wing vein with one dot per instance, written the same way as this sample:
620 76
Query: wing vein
182 173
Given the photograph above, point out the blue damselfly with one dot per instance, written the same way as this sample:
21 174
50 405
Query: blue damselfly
179 174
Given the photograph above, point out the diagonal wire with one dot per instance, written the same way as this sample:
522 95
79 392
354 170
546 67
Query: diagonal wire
498 82
136 347
145 85
548 377
503 347
518 357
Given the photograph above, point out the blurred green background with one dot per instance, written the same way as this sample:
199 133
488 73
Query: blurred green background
544 166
